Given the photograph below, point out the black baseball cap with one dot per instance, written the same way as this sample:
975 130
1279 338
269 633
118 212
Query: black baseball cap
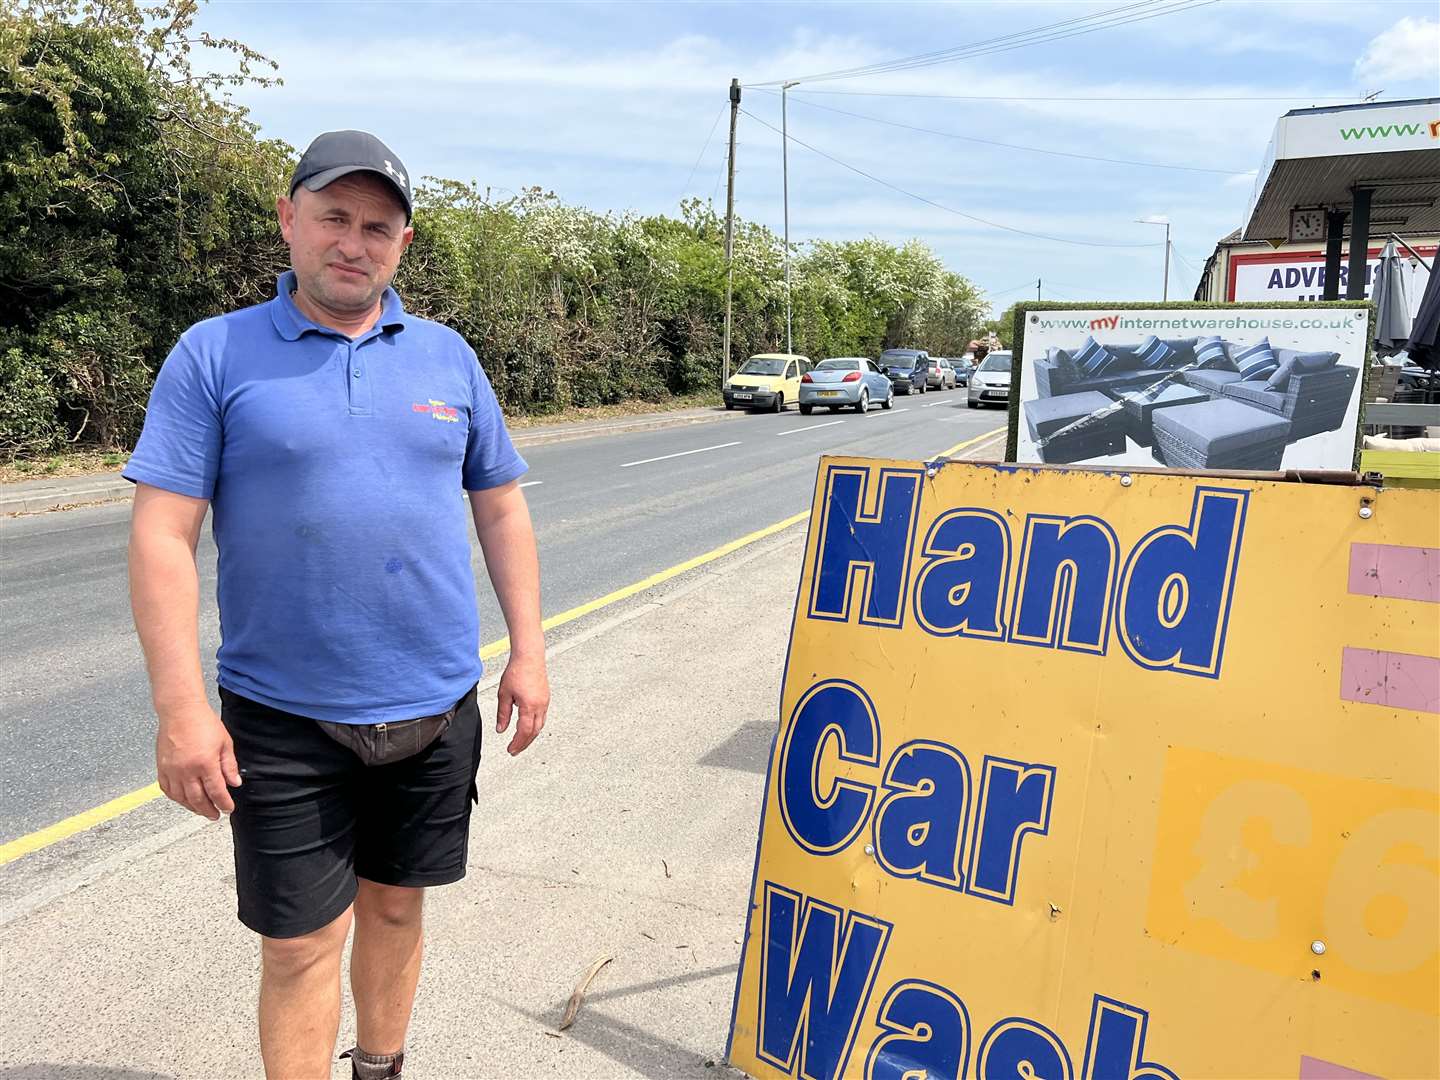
340 153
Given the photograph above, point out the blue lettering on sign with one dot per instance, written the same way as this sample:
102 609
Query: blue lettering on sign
1176 590
960 590
1275 281
1067 578
865 540
1116 1044
1168 606
923 823
1015 799
924 1032
817 969
823 818
920 824
1020 1049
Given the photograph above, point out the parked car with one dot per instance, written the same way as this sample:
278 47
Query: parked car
990 382
905 369
939 375
845 381
766 381
964 366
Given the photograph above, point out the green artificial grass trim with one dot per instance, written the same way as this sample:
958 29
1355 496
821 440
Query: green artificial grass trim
1017 345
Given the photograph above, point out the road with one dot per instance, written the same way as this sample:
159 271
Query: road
77 729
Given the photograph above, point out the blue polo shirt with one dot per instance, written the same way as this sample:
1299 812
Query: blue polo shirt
334 470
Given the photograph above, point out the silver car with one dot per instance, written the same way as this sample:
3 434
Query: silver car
939 375
852 381
990 382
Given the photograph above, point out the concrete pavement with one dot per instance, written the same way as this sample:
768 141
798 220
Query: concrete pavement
627 830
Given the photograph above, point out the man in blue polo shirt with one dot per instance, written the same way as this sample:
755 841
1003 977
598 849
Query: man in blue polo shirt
330 434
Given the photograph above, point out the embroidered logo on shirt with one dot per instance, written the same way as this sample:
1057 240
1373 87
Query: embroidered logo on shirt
438 410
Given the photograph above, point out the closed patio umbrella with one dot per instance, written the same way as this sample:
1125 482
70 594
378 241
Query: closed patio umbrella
1424 343
1392 303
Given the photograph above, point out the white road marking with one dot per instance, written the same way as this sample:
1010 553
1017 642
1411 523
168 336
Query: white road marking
808 427
933 404
682 453
531 483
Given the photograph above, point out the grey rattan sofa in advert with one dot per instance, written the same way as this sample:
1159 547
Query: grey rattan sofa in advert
1203 402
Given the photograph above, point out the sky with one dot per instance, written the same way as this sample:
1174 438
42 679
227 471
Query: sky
621 107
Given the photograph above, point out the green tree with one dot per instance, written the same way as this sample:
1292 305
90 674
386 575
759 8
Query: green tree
135 202
137 199
1003 327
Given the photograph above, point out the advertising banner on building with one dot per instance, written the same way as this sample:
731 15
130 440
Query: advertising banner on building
1192 388
1380 129
1300 276
1085 775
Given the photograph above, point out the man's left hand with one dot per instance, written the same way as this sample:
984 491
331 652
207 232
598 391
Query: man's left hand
524 690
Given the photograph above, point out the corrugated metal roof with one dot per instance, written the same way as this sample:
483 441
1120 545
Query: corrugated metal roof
1329 182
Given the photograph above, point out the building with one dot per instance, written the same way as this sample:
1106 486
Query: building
1330 176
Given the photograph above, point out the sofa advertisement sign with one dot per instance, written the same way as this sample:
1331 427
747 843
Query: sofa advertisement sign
1048 798
1233 388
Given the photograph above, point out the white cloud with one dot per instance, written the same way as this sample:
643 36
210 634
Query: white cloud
619 124
1408 50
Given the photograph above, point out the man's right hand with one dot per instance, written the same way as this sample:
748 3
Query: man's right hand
195 761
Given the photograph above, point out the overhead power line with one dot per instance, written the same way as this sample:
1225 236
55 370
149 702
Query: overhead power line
1071 284
1018 146
720 177
956 52
1057 31
942 206
700 155
1184 261
1070 97
1005 292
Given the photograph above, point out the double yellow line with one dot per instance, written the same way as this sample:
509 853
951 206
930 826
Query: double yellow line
61 830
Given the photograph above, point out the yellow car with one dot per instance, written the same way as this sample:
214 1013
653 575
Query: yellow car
766 381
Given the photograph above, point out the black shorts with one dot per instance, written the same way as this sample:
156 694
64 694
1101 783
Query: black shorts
310 818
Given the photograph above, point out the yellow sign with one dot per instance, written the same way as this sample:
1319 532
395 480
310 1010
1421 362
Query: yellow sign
1087 775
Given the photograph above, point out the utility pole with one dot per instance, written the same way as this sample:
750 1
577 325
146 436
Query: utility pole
1165 286
730 222
785 184
1155 219
1037 288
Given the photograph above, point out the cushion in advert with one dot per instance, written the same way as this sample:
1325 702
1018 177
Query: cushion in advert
1210 353
1255 361
1064 366
1213 427
1211 380
1092 358
1154 353
1256 392
1293 362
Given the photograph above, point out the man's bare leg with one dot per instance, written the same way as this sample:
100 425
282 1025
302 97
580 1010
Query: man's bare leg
300 1001
385 964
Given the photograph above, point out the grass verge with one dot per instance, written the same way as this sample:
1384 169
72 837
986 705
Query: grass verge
74 463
